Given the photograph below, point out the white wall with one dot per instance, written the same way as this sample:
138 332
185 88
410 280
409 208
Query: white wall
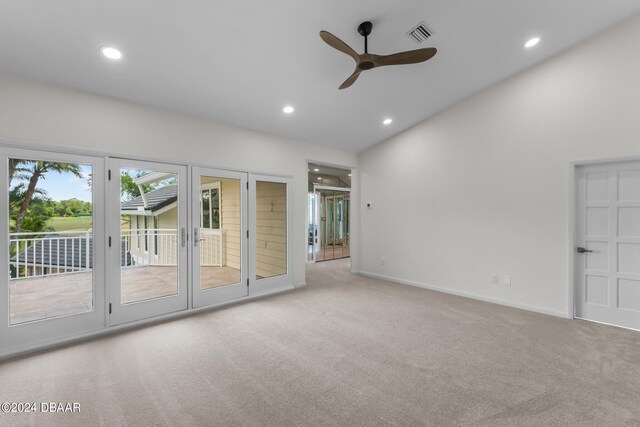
45 114
482 188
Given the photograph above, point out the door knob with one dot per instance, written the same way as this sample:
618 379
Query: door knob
583 250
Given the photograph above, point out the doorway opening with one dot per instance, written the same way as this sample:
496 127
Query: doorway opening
329 208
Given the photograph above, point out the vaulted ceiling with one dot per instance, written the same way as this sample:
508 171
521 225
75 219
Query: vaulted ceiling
241 62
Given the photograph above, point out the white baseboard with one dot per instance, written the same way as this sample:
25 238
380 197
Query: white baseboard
542 310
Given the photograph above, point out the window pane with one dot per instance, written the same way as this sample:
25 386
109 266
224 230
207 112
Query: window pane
50 240
149 253
215 209
271 229
206 209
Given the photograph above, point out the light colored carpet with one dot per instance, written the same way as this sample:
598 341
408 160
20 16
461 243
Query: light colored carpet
346 350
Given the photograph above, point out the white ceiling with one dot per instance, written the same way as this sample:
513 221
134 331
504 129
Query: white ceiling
240 62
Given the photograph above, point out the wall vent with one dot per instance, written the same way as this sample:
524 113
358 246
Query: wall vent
420 32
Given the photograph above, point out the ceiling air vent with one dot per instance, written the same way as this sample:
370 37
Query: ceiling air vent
420 32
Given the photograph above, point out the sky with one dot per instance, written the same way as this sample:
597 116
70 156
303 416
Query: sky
66 185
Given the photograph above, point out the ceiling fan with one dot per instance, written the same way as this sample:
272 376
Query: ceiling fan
367 61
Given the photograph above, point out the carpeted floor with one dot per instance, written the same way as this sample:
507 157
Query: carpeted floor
346 350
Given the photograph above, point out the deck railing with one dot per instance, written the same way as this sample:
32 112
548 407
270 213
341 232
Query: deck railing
158 246
49 253
151 246
66 252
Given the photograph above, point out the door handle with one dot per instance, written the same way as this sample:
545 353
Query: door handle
583 250
183 237
196 240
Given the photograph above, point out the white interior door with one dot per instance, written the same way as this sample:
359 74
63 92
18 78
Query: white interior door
148 239
52 248
608 244
219 236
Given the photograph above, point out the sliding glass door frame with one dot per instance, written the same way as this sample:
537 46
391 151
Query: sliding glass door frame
50 330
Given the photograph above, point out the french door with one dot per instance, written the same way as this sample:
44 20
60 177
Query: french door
51 247
219 236
148 239
95 242
608 244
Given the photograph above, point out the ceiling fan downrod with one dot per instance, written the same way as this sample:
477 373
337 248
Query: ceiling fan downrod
365 29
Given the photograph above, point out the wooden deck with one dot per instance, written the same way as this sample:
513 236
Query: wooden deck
53 296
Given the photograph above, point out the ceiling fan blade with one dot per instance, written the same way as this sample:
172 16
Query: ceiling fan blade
336 43
408 57
352 78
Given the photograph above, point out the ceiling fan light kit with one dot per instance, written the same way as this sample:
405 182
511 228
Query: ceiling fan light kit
367 61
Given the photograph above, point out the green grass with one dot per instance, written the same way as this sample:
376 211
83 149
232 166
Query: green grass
79 223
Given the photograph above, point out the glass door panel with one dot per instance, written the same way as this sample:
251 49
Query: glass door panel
219 223
345 221
334 224
54 224
339 223
270 235
50 236
148 239
312 227
271 229
148 235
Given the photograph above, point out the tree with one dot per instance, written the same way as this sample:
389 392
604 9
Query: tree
37 171
35 224
39 212
16 196
128 187
17 166
13 166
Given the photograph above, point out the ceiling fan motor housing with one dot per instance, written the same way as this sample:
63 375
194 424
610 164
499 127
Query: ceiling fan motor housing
366 65
365 28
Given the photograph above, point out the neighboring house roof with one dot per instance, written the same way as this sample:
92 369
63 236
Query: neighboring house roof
48 252
156 199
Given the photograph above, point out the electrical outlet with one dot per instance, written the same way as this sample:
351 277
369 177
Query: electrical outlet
506 280
495 279
383 261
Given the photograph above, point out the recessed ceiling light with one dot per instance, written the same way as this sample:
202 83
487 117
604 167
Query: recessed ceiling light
288 109
349 174
319 178
532 42
387 122
112 52
316 170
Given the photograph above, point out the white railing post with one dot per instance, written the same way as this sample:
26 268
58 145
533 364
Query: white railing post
220 248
